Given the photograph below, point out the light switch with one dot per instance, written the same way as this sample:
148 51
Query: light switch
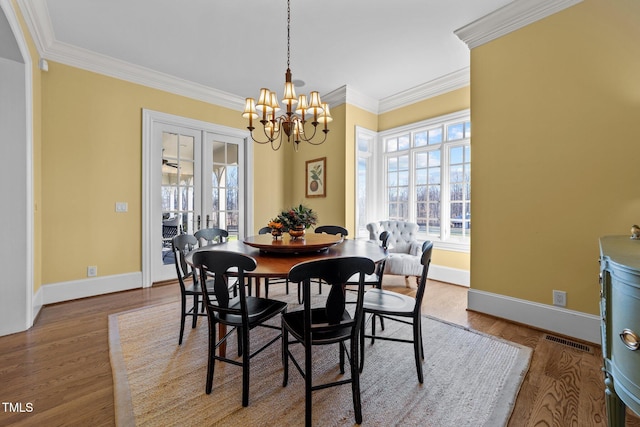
122 207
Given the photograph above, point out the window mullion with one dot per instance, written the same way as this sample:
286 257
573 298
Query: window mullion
445 192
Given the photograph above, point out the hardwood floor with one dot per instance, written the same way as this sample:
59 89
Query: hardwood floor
60 368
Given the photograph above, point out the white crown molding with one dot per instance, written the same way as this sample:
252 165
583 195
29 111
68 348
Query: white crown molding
447 83
37 17
509 18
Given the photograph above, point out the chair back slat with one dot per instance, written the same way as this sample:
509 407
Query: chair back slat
211 236
332 229
181 245
335 272
425 260
217 264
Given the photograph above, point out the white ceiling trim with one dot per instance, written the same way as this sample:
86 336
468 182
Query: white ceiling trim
503 21
509 18
452 81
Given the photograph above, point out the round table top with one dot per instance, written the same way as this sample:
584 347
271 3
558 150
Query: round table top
312 242
278 264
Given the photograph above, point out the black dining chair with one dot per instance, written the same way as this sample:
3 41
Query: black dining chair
328 229
399 308
372 280
242 313
271 281
211 236
188 280
332 229
326 325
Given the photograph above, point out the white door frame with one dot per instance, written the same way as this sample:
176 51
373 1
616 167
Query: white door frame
18 307
149 165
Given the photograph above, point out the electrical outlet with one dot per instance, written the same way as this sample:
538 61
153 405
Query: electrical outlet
560 298
92 271
122 206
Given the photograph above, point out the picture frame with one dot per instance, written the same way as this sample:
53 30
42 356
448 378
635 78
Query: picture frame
316 177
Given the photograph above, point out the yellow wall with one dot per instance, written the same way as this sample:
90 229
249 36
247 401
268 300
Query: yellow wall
555 108
330 208
91 158
449 102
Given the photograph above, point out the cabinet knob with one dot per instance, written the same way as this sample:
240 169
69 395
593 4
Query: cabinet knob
630 339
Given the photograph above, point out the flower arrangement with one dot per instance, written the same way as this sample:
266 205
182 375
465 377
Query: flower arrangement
297 217
274 224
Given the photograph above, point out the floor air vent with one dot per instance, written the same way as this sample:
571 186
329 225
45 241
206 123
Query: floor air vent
569 343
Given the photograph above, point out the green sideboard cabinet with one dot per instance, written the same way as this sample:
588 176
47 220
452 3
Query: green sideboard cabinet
620 312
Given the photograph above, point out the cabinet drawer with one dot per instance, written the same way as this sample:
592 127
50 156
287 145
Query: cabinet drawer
625 362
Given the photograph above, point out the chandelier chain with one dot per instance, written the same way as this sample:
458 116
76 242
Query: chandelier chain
288 33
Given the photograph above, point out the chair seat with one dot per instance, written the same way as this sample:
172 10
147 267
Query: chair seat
294 321
369 279
393 303
196 289
258 309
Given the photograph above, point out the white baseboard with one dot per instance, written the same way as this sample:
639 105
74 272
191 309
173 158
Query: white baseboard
65 291
449 275
37 305
582 326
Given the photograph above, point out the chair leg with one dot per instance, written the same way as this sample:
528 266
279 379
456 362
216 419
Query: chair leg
285 356
417 344
373 328
362 328
355 381
342 351
183 316
308 383
266 286
245 366
196 302
286 285
211 364
240 340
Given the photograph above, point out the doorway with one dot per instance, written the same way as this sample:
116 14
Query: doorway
196 176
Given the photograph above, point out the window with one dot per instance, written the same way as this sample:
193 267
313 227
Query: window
365 200
427 178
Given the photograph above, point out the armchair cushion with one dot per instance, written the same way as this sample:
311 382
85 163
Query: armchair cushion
404 248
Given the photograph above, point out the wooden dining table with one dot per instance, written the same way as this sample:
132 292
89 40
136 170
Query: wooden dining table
275 258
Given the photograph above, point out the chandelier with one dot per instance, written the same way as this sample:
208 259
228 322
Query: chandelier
291 124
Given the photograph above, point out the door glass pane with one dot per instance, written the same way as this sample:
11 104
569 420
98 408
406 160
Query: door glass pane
177 188
225 188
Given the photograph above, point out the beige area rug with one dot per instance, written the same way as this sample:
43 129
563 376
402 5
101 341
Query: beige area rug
471 379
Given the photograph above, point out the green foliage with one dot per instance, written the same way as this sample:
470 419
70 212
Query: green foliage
298 216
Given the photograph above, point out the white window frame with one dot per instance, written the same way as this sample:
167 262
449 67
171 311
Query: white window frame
444 241
370 213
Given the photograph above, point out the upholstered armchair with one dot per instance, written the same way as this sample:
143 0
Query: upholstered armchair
404 248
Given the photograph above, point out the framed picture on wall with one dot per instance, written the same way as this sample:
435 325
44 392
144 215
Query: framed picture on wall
316 178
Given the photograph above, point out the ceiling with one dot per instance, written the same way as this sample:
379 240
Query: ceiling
377 48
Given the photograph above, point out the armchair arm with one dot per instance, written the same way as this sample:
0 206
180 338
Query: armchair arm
415 247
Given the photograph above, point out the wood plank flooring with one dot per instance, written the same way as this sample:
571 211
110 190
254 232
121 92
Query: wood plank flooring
61 365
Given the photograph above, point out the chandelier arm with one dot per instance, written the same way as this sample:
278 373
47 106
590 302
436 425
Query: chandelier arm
267 141
315 129
318 142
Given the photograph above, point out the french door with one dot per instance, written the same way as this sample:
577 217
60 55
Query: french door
197 179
